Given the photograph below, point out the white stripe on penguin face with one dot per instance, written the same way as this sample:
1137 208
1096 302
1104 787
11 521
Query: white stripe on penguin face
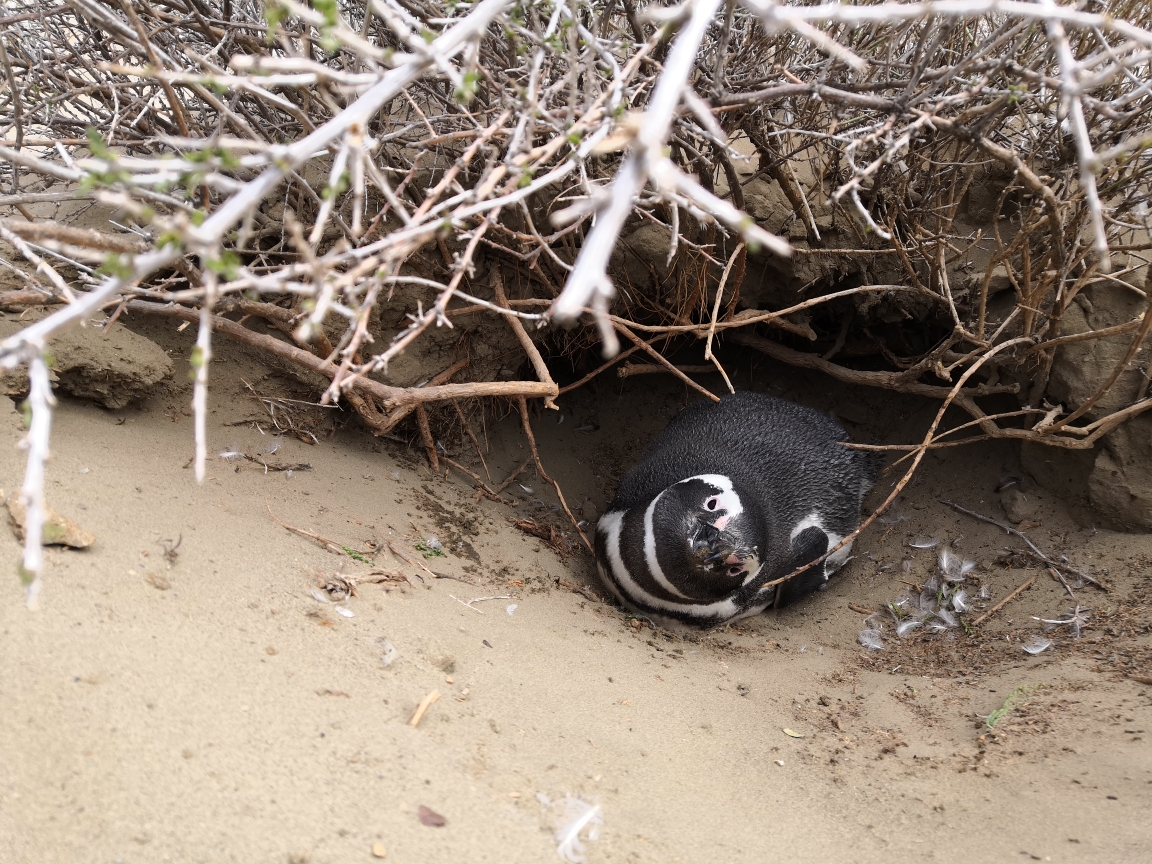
654 567
728 499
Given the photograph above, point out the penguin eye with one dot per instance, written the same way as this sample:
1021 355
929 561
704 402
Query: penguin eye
712 503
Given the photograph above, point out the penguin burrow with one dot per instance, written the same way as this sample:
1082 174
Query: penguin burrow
730 496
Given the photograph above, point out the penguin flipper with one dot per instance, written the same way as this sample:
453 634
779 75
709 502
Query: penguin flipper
807 546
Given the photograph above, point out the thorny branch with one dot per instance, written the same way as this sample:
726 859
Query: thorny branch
361 175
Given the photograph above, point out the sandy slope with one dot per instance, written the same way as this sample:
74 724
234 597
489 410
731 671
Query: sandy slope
232 717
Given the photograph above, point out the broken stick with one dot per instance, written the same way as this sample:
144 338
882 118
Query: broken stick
1027 584
424 705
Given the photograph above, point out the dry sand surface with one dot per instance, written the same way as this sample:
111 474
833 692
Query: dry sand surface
209 708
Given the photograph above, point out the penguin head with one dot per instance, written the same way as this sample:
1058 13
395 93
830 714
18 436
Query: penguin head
704 538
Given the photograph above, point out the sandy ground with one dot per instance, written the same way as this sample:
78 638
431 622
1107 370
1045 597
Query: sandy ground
210 709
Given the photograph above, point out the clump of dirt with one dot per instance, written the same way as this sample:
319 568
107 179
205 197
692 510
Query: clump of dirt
555 538
113 368
1116 476
1079 368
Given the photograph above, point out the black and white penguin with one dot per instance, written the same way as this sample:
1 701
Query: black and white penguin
730 496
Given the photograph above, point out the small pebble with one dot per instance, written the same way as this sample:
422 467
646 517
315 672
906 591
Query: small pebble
157 581
378 850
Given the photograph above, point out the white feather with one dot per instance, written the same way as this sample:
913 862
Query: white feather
947 617
949 564
578 816
1036 644
904 627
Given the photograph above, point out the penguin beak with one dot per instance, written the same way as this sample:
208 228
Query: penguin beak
710 546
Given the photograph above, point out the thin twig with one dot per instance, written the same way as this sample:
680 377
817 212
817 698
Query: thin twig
422 708
1048 560
515 473
527 424
524 339
410 558
1023 587
1059 577
659 358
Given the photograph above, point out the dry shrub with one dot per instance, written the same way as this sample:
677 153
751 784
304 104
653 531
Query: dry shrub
934 187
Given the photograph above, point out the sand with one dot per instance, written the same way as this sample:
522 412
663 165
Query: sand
209 708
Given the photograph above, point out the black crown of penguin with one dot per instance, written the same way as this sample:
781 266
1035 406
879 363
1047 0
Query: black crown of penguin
731 496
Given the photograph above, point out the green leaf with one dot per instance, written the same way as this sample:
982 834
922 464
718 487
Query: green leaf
97 179
97 145
227 266
342 183
356 556
329 10
274 15
1015 698
428 551
466 92
118 266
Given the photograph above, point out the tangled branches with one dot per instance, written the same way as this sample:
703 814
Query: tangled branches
891 193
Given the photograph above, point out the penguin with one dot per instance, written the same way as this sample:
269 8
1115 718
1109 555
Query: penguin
730 496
